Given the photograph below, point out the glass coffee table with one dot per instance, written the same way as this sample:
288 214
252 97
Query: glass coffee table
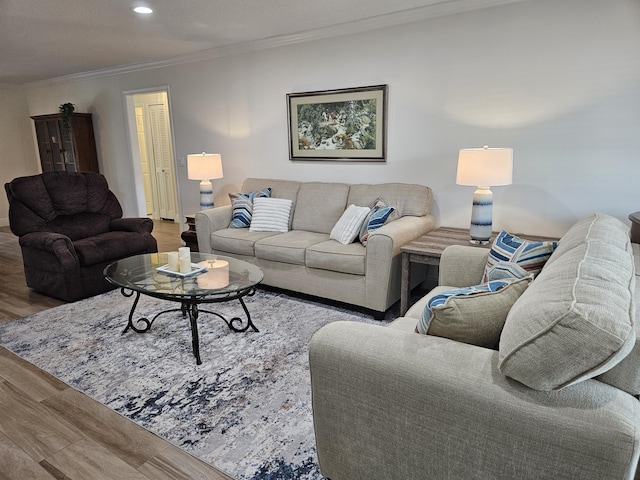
213 279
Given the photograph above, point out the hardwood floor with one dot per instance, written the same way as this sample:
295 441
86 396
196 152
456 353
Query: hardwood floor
48 430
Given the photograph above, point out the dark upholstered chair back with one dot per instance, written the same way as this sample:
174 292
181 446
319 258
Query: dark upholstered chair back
70 227
77 205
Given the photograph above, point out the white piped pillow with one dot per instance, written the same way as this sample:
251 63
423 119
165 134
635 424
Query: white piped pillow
270 215
348 226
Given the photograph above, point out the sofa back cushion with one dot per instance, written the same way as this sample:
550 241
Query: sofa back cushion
320 205
80 225
577 319
36 202
407 199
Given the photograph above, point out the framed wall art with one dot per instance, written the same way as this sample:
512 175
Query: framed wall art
348 124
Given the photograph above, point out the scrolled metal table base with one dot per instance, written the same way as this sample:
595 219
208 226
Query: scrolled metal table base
189 307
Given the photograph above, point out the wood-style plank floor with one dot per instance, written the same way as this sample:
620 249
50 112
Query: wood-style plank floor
48 430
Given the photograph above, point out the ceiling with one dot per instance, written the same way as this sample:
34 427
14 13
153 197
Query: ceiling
41 40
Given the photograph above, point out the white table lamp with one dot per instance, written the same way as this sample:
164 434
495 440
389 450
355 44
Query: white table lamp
204 167
483 168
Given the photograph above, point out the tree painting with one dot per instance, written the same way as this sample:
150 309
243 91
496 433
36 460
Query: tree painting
349 125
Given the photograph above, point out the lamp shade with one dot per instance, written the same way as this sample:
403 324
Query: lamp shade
485 167
204 166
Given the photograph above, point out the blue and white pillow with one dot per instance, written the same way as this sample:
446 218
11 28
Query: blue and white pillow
380 213
529 255
243 207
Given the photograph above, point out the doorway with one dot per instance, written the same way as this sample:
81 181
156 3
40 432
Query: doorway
152 151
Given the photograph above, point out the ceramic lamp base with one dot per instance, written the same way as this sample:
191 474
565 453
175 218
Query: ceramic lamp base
206 194
481 216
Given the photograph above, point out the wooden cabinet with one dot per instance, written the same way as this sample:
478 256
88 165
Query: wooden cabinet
76 152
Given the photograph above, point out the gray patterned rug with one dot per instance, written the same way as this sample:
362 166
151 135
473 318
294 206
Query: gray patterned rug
246 410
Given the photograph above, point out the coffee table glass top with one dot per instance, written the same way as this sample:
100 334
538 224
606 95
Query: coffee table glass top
147 274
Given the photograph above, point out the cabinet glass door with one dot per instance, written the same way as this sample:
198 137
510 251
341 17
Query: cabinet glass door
68 154
46 157
55 144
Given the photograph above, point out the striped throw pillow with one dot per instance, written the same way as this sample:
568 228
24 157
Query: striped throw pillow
529 255
348 226
270 215
380 213
243 207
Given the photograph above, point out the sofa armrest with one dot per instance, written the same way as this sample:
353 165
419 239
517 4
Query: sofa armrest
462 266
49 243
383 257
139 225
391 404
209 221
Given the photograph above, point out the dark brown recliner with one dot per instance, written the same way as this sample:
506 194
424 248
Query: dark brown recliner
70 227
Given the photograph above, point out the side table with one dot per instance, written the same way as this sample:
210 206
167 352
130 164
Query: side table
428 249
190 237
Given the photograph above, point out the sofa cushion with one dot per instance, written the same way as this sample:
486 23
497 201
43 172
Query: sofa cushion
407 199
348 225
319 206
575 321
380 214
527 254
288 247
596 227
240 241
270 215
626 374
242 204
473 315
337 257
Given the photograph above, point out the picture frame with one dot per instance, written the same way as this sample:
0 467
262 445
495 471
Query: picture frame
348 124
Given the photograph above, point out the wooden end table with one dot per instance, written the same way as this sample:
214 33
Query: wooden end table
428 249
190 237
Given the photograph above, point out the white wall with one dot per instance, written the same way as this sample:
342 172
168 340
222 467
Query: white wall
18 154
556 80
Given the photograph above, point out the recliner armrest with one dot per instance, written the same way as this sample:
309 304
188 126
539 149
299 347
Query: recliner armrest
391 404
141 225
52 243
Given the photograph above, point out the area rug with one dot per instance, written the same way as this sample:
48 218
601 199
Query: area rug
246 410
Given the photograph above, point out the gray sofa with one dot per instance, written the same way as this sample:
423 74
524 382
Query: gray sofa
305 260
557 400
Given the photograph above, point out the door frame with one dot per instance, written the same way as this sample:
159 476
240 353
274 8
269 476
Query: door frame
134 149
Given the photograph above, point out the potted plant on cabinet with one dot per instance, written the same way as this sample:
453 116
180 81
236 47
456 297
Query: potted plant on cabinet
66 112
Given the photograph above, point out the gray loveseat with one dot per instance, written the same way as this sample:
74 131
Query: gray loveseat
392 404
305 260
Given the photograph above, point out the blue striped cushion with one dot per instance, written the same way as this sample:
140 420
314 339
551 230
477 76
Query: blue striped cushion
529 255
380 213
243 207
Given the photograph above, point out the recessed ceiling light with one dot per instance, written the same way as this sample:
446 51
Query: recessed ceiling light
143 10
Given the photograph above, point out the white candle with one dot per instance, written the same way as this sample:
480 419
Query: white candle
216 276
185 264
172 258
184 256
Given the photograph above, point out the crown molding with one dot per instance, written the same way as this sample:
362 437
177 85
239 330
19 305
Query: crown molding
440 9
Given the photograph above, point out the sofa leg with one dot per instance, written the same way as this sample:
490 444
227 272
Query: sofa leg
378 315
